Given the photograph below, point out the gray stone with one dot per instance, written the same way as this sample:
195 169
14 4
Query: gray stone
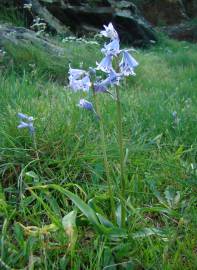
19 36
184 31
163 12
83 17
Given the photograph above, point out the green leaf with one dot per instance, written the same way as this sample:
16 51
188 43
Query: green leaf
69 224
116 233
172 196
118 215
155 191
83 207
32 174
94 206
108 259
69 220
104 221
19 234
148 232
113 232
54 205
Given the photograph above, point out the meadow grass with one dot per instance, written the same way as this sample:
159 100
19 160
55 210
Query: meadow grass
161 170
11 15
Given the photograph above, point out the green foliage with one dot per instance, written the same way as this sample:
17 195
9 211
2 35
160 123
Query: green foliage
11 15
41 64
160 164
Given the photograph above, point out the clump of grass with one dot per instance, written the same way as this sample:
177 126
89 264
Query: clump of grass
160 163
35 61
11 15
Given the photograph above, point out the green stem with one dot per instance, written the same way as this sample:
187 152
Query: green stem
120 142
106 164
36 150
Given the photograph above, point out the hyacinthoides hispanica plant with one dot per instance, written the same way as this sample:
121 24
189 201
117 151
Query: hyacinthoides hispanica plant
116 64
27 122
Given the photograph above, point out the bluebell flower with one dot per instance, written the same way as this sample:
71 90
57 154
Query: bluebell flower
109 32
106 64
101 87
23 116
75 73
82 84
86 83
127 64
83 103
79 80
112 79
28 124
113 48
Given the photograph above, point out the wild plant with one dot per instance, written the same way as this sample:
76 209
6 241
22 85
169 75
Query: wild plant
117 64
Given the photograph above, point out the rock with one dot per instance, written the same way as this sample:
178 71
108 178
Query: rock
83 17
173 17
191 8
51 20
184 31
164 12
19 36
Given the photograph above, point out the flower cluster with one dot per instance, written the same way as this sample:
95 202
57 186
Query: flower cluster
80 80
26 122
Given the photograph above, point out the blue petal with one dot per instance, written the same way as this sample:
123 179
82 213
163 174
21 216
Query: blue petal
109 32
75 73
106 64
113 48
83 103
23 125
127 64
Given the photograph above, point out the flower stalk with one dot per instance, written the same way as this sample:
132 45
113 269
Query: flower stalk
121 152
36 150
106 163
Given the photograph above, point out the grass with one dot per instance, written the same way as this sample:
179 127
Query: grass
161 167
11 15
